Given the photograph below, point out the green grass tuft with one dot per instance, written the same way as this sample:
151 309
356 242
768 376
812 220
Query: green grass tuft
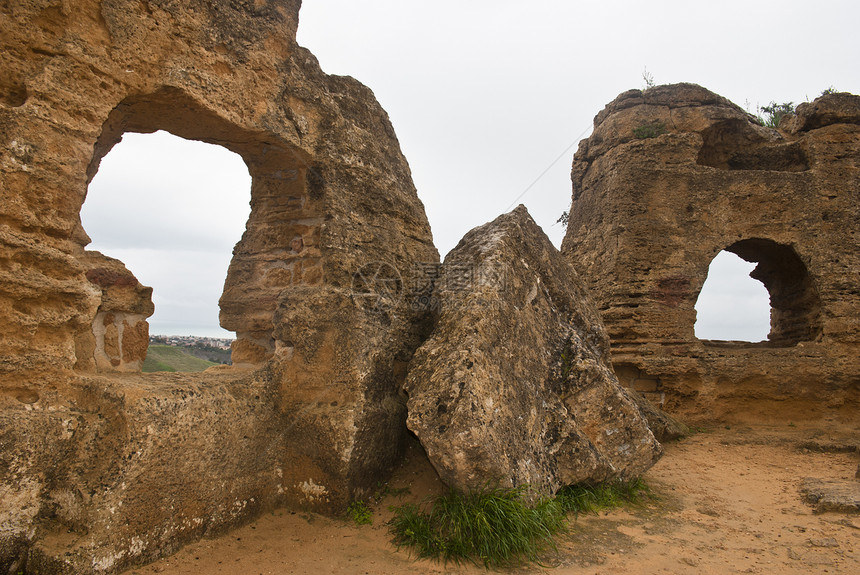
652 130
360 512
492 526
583 498
498 527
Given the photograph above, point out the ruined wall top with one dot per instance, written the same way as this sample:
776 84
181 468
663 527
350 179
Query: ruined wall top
673 175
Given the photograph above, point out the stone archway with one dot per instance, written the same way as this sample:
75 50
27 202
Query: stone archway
132 465
795 308
172 210
795 305
280 247
732 306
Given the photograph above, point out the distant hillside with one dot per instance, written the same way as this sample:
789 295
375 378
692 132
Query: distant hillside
162 357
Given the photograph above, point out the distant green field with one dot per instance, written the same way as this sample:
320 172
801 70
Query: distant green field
168 358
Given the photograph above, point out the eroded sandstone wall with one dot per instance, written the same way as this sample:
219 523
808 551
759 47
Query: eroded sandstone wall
673 175
122 469
316 417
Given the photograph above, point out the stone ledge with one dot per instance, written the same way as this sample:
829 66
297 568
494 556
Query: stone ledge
828 495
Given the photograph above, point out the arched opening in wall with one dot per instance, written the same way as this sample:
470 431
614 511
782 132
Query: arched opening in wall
279 248
731 307
172 210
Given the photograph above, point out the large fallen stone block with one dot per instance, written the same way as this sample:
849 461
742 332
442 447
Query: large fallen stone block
515 386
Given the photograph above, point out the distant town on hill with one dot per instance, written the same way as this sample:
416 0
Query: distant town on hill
191 340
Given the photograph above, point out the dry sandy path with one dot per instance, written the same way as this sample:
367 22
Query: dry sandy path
728 501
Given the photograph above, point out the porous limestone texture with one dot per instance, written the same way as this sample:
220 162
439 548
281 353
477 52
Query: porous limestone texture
515 386
316 292
122 469
662 425
674 174
831 495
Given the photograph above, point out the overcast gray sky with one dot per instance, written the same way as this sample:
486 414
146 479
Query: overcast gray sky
489 100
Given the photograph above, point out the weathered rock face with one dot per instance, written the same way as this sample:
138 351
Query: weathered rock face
650 213
662 425
120 334
515 385
331 196
125 468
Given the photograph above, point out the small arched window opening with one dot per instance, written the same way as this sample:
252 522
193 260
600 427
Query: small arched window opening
732 305
172 210
794 307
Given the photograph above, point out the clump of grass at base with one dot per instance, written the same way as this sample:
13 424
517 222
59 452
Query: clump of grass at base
360 513
493 526
593 498
497 527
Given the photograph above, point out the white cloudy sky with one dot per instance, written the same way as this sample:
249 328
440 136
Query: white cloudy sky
489 99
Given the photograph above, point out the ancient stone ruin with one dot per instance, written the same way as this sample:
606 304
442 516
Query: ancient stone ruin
334 286
101 467
650 213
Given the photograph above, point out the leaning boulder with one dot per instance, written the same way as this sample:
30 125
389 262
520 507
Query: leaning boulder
515 386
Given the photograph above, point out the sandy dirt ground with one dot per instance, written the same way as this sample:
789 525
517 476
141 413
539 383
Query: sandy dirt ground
726 500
